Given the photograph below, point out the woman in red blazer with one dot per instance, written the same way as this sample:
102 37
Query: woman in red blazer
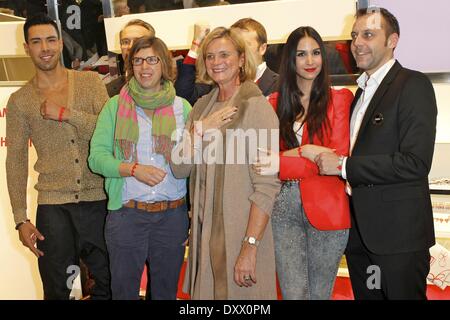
311 217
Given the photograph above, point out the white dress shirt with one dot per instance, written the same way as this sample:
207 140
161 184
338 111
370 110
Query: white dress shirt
369 85
260 70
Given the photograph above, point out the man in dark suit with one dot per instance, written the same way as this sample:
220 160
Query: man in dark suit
392 133
255 37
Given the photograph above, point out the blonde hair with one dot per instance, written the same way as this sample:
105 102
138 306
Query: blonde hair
247 72
139 22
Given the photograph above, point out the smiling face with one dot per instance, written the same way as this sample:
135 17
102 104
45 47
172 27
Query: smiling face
44 47
308 59
223 61
370 46
148 75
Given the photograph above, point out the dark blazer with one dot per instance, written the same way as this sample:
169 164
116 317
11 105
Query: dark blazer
268 82
114 86
389 166
185 85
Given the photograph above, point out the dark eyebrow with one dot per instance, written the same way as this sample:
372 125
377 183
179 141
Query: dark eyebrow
301 50
371 30
48 38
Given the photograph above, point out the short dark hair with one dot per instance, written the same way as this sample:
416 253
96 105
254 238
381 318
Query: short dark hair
36 20
250 24
392 25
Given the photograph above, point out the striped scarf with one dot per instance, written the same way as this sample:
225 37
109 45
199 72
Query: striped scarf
163 119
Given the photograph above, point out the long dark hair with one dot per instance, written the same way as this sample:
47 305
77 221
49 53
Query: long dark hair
289 100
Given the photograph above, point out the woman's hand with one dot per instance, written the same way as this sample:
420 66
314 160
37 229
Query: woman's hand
311 151
267 163
215 120
149 174
245 267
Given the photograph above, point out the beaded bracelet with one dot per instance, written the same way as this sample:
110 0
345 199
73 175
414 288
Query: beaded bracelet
61 112
133 168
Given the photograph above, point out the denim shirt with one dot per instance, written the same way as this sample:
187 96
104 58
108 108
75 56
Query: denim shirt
170 188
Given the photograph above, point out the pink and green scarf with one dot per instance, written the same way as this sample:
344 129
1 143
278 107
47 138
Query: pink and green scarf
163 119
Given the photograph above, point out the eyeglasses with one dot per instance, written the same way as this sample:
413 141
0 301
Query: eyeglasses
136 61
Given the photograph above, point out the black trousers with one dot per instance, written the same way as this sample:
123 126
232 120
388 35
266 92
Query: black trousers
401 276
73 231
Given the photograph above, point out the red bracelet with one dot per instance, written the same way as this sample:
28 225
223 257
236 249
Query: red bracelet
133 168
61 112
196 43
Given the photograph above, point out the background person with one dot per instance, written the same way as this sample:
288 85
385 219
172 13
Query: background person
132 31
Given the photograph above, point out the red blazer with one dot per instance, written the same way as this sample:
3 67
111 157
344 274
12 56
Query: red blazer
323 197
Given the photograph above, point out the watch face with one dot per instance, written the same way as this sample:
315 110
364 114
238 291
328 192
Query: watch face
251 240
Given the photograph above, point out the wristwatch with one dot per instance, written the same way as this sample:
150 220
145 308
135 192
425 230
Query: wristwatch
251 240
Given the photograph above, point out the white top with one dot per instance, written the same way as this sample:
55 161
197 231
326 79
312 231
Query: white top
260 70
298 129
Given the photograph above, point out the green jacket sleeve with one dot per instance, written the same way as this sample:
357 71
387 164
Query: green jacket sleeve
101 157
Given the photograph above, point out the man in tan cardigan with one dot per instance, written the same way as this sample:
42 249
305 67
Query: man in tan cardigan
58 110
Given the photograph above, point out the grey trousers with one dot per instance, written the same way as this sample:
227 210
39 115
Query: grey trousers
307 259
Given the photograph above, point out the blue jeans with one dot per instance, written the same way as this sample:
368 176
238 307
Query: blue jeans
134 236
307 259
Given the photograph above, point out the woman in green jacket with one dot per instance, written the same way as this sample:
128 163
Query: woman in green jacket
131 147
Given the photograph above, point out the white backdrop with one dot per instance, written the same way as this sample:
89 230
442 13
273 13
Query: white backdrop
19 275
